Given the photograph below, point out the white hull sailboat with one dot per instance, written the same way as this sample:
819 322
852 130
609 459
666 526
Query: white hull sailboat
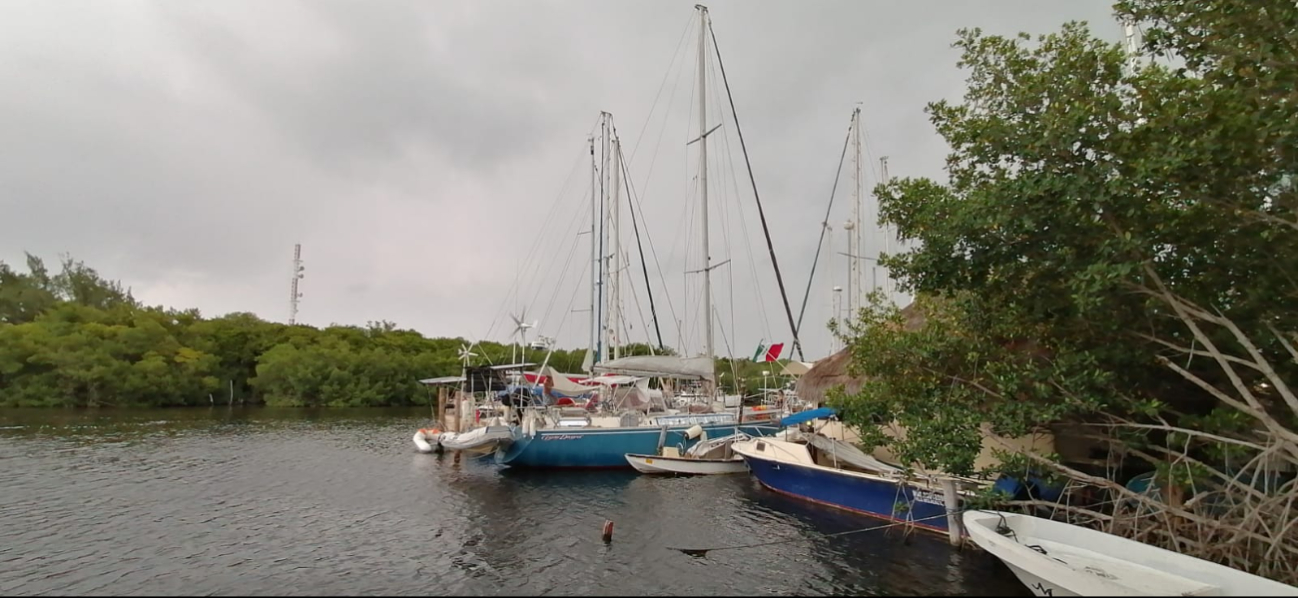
1053 558
708 457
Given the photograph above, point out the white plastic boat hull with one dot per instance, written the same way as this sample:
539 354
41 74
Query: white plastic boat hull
685 465
481 441
1053 558
422 443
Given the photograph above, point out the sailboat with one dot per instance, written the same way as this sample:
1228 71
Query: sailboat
630 421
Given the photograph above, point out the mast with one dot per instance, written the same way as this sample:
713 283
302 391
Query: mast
594 258
703 178
615 268
601 264
887 228
857 173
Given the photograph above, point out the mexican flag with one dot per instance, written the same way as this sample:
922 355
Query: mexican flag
770 353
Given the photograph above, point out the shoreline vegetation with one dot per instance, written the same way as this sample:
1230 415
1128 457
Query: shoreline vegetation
73 339
1113 256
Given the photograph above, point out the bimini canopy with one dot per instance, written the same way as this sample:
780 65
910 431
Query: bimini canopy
806 416
661 366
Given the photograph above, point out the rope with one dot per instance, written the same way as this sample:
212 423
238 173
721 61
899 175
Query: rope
704 551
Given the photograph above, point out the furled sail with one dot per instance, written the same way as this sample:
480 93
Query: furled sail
661 366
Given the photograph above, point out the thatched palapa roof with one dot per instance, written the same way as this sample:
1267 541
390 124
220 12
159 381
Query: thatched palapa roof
832 371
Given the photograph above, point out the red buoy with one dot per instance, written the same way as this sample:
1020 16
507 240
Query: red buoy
608 531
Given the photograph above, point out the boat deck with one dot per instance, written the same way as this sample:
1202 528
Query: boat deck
1140 579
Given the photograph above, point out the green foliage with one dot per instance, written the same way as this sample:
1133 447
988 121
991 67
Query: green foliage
1072 177
76 340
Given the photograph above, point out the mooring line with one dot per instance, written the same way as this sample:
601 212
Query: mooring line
705 551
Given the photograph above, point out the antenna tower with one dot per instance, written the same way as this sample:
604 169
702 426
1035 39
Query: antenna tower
298 270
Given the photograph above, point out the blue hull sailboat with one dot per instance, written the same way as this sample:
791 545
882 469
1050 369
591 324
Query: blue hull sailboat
597 447
631 420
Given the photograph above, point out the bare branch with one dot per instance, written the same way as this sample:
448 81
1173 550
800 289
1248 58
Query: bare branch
1141 498
1187 431
1283 341
1183 310
1262 364
1196 352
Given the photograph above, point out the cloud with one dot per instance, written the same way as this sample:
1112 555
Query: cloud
431 158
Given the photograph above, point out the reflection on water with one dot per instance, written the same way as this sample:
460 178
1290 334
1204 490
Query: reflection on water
298 502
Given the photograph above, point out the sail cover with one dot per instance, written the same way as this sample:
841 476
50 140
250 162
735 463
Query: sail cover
844 451
661 366
564 384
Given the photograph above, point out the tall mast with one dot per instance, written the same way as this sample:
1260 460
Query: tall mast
703 178
602 264
594 256
297 275
887 228
859 192
615 244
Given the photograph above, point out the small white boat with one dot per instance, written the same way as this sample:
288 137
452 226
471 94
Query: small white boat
1054 558
426 440
708 457
482 440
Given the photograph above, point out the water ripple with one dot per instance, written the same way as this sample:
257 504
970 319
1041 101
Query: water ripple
293 502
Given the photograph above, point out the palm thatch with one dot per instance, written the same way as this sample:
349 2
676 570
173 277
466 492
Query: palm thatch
832 371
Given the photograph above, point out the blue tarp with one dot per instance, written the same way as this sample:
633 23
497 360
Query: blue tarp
806 416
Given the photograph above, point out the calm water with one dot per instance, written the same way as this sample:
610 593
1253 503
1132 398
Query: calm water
296 502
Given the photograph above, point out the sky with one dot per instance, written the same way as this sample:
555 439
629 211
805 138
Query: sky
433 157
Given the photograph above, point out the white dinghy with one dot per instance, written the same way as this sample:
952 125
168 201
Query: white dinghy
707 457
483 440
426 440
1054 558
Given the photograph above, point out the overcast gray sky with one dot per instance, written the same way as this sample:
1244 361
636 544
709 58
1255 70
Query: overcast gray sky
430 156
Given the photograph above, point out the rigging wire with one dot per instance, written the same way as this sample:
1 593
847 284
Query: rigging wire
573 222
824 226
747 235
572 252
797 345
631 201
505 296
689 24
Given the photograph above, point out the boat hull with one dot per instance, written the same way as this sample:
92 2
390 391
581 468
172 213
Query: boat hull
479 441
654 464
606 448
1053 558
874 496
423 443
